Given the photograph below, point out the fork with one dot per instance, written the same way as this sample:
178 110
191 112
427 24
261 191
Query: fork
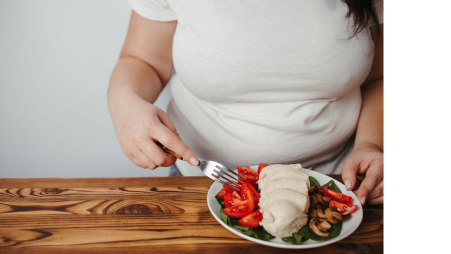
214 170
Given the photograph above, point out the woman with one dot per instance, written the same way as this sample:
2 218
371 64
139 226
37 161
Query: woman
255 81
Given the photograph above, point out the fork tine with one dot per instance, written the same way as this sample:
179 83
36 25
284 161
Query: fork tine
224 172
224 176
222 182
224 168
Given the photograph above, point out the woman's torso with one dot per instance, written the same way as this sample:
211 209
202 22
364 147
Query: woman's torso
266 81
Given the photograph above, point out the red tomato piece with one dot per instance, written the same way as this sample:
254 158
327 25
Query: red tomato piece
248 174
261 166
240 210
252 220
232 199
227 189
337 196
344 209
221 193
248 192
236 195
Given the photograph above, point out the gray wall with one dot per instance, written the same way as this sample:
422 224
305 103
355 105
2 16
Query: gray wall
55 61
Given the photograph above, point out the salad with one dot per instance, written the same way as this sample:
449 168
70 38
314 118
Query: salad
328 209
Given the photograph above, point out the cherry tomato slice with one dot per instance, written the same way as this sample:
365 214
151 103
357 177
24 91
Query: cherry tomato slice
227 189
248 192
221 193
337 196
248 174
232 199
261 166
236 195
240 210
342 208
252 220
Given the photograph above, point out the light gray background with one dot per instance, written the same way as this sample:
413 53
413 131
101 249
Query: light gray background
56 58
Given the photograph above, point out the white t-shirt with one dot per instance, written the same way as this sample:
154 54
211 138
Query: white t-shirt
265 81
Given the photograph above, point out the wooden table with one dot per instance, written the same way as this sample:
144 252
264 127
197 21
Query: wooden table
135 215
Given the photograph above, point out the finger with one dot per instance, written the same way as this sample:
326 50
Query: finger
377 192
166 121
166 137
372 179
156 155
136 161
144 160
376 201
349 172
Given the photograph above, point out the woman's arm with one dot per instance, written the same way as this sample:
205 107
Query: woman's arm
367 156
144 68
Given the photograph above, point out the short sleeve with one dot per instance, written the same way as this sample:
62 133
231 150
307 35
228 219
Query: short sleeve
379 7
157 10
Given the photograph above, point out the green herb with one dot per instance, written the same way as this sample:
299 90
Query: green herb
234 221
300 236
241 227
250 233
333 186
220 201
262 234
304 233
225 218
313 181
346 217
333 232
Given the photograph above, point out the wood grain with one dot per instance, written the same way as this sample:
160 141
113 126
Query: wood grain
135 215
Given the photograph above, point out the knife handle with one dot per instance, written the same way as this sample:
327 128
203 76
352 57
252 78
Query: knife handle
169 151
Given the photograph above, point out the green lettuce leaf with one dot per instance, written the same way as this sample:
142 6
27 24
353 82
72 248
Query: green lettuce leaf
297 238
220 201
313 181
333 186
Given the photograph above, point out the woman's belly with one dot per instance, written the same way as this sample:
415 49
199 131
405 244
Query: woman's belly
309 132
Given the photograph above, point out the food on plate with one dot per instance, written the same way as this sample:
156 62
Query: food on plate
278 171
249 192
284 199
252 220
289 205
232 199
344 209
240 210
248 174
227 189
337 196
261 166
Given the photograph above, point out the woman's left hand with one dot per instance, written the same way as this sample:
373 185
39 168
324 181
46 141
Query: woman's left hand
366 160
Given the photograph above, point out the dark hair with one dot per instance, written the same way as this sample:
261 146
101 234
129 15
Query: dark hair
363 13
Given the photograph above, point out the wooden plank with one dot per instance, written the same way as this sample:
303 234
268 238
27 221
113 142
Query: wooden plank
245 248
187 181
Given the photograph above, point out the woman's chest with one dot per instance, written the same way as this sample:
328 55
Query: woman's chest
268 51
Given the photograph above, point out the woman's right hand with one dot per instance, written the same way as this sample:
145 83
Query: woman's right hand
138 125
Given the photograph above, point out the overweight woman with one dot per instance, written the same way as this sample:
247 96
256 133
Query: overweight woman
255 81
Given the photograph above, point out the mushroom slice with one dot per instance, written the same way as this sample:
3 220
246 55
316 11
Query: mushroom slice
324 225
333 216
313 213
321 214
314 225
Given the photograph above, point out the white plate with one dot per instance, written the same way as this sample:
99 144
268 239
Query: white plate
349 226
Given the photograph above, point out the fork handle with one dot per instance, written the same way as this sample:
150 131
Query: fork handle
169 151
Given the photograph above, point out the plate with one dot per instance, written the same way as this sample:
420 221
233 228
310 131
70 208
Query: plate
349 226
